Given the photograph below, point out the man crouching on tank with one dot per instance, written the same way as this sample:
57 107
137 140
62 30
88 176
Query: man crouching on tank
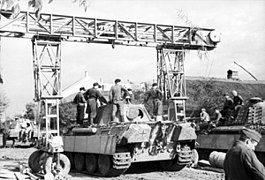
241 162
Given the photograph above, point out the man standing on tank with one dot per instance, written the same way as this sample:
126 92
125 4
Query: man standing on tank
115 97
80 100
156 96
228 109
92 95
241 162
238 102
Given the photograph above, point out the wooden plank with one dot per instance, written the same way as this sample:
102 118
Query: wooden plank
20 176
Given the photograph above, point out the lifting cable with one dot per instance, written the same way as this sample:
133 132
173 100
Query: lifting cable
212 61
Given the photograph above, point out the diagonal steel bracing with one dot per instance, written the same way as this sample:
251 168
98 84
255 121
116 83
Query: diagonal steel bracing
93 30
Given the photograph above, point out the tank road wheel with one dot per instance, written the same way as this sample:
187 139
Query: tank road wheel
195 158
79 161
91 163
171 165
104 164
63 168
35 160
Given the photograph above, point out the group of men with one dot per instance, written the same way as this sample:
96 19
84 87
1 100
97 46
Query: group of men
91 97
228 113
241 162
117 94
232 106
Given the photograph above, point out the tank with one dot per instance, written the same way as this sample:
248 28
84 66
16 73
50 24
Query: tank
250 115
21 132
109 149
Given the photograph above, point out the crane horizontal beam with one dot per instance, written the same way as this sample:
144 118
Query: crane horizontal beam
92 30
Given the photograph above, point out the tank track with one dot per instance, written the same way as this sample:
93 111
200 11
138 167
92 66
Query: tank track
115 172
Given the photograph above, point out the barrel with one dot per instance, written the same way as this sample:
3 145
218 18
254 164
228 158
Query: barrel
217 159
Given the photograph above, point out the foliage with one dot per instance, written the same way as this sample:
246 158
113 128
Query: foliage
209 94
4 102
205 94
67 113
31 111
36 4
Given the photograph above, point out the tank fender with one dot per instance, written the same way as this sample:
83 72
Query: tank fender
183 132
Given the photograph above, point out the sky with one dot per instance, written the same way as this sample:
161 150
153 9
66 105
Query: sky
241 24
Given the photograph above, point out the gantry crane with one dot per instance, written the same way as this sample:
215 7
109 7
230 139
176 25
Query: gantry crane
50 30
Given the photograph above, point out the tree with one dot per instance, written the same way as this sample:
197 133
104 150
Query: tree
36 4
31 111
67 113
4 101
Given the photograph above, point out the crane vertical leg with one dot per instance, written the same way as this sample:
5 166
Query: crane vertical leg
1 80
47 82
170 77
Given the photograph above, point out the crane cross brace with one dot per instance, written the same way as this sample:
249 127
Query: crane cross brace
92 30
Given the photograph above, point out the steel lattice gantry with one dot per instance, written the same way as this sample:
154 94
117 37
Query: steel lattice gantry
49 30
93 30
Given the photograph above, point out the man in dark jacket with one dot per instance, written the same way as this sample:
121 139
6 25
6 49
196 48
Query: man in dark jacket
156 95
228 108
115 97
241 162
79 99
238 102
92 95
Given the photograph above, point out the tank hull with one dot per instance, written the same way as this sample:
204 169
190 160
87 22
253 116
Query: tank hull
110 148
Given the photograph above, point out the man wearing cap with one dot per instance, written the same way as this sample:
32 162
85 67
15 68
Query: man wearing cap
92 95
241 162
79 99
115 97
156 95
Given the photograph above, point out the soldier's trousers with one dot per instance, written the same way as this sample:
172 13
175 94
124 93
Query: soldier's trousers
92 107
157 107
80 114
118 107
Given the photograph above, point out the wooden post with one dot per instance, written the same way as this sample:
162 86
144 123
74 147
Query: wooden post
1 80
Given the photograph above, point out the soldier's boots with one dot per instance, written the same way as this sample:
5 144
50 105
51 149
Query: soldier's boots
121 119
91 122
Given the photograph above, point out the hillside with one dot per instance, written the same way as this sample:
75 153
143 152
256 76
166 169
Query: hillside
208 93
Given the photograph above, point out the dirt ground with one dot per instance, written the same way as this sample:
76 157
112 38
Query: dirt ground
10 158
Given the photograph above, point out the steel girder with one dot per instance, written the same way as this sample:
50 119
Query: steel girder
92 30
